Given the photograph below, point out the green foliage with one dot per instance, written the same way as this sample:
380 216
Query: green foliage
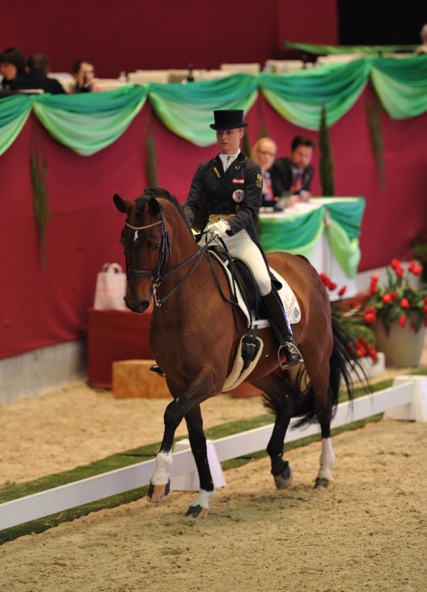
326 165
39 169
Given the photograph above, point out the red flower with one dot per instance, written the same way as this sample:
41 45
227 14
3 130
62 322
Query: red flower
399 272
404 303
402 321
393 295
342 291
395 263
370 317
374 278
372 352
417 270
387 298
332 286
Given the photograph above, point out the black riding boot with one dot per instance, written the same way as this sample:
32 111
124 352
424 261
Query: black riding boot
277 316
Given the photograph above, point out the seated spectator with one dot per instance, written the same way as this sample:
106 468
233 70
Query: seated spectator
12 65
291 176
83 73
263 153
422 49
36 76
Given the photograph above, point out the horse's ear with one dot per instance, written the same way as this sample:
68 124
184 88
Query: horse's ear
154 207
120 203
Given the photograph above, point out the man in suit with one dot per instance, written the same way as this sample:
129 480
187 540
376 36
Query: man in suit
231 186
291 176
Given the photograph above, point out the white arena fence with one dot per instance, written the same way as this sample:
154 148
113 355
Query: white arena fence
405 400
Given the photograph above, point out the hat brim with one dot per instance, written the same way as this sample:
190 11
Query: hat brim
227 127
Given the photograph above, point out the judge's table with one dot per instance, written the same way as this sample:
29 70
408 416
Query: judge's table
326 230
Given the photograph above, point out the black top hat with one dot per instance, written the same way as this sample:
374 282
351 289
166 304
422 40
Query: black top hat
227 119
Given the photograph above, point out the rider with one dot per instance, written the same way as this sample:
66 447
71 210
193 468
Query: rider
231 184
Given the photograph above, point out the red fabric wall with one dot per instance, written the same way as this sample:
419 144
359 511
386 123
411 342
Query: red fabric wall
43 306
133 34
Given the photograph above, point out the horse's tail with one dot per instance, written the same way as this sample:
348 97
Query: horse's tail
344 365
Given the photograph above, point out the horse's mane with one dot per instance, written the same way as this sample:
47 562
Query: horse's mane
162 193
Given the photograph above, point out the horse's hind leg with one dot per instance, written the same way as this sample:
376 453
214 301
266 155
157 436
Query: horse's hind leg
323 406
280 468
275 387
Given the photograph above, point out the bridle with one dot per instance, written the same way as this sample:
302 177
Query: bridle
158 274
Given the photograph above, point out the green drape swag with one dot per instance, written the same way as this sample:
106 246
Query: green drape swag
186 109
14 112
89 122
340 220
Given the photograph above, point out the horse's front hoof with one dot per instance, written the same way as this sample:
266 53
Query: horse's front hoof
197 512
323 484
157 494
284 479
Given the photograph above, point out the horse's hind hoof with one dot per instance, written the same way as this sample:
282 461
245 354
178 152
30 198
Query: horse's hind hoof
157 494
323 484
284 479
197 512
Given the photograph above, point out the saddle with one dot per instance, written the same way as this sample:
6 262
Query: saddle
246 296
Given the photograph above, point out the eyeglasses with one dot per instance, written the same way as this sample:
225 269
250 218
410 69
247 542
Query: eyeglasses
265 153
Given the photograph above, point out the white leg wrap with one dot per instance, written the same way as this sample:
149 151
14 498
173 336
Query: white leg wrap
327 460
203 498
161 473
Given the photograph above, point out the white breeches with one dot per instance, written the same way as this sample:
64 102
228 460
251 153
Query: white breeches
243 247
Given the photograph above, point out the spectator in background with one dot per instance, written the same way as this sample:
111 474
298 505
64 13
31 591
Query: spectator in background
291 176
422 49
12 65
263 153
36 76
83 73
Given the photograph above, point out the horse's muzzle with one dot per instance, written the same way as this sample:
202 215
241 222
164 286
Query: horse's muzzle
137 306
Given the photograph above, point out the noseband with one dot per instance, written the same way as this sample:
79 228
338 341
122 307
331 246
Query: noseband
156 274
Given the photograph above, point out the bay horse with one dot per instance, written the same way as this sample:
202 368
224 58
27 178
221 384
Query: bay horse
194 337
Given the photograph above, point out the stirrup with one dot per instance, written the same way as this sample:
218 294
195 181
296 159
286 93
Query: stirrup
293 355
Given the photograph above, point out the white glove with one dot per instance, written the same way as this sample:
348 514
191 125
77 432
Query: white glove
218 229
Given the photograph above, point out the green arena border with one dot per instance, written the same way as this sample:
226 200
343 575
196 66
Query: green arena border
136 455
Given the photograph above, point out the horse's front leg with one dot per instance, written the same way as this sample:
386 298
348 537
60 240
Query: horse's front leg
199 508
159 488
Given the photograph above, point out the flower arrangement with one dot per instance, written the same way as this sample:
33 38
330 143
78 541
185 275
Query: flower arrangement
397 301
361 337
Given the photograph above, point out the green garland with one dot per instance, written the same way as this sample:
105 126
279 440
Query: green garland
326 165
150 162
40 197
377 143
